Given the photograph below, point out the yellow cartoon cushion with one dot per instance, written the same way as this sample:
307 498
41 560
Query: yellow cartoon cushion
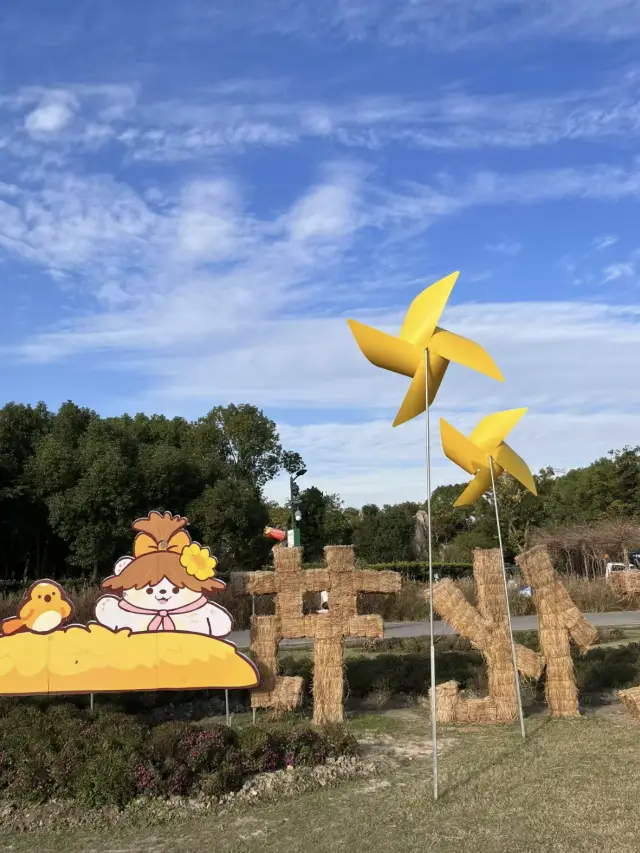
94 659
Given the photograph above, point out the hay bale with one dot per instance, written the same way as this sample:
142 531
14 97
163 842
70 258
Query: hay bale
626 583
328 677
290 583
452 606
558 621
447 698
478 711
631 700
287 560
488 630
489 581
264 650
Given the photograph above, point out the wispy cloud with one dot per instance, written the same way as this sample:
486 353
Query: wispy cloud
202 256
239 114
507 247
443 25
604 241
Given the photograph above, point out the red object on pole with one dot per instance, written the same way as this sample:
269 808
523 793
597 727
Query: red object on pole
275 533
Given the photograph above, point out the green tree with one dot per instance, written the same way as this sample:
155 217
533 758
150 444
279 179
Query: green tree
312 524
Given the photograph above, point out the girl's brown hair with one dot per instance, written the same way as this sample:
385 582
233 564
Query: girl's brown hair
151 567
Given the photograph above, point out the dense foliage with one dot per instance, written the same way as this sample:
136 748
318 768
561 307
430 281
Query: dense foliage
609 488
111 758
72 482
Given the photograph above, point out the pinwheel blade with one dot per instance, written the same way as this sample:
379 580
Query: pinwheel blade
516 466
480 484
426 309
385 350
460 450
465 352
414 402
492 430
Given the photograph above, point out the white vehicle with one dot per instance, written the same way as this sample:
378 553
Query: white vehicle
613 568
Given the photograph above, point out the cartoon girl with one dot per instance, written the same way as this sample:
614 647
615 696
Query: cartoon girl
164 586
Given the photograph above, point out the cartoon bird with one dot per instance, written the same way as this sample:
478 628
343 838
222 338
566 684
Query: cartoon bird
405 354
45 608
487 440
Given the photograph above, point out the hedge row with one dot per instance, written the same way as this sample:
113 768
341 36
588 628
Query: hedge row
413 570
110 758
420 570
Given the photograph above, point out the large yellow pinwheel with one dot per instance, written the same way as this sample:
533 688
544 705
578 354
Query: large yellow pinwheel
484 447
405 354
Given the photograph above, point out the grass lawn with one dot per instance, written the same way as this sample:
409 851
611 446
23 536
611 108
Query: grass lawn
571 787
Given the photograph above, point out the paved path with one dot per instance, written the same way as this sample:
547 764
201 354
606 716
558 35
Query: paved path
625 618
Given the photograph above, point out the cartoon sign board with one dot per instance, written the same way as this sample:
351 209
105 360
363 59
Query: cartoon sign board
156 628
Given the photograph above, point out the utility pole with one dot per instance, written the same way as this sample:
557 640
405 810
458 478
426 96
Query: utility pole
296 515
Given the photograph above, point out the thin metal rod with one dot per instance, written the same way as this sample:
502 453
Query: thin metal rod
434 728
514 656
91 702
226 707
253 710
253 605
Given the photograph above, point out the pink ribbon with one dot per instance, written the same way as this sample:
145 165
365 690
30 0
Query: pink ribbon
162 620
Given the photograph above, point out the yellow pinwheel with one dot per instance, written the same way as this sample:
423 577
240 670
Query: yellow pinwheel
405 354
484 447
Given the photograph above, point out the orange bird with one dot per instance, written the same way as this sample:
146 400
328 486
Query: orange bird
45 608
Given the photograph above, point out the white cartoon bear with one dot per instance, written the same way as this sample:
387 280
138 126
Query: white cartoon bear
162 587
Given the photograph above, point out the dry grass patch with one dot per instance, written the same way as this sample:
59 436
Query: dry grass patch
570 788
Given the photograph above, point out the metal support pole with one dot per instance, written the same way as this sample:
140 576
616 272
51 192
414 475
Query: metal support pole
514 656
226 707
91 702
434 729
253 712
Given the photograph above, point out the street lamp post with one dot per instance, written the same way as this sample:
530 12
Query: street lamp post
296 515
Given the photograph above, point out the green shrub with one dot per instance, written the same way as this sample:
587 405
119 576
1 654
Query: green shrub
61 751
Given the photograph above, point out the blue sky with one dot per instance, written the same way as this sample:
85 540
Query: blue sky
193 201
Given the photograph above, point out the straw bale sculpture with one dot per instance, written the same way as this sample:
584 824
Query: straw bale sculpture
559 620
289 582
631 700
488 630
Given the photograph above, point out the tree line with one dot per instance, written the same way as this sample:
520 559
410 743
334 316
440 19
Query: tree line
607 489
72 482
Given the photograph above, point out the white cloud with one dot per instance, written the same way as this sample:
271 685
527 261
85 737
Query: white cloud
235 116
604 241
616 271
443 25
507 247
54 113
374 463
203 257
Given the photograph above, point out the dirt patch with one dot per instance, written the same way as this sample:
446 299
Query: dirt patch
383 748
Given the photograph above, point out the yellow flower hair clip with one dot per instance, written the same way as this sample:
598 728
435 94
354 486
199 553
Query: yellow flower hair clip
199 562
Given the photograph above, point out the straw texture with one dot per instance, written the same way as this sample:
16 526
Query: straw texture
627 583
290 582
487 627
631 700
559 621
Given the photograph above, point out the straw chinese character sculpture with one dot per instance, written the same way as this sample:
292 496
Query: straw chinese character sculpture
559 620
289 582
157 626
488 629
423 351
486 455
